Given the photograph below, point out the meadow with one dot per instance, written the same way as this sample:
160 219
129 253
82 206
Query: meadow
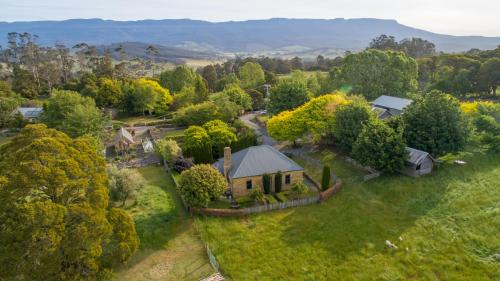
170 248
445 226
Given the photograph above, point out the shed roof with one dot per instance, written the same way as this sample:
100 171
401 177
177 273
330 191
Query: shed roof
391 102
30 112
258 160
416 156
123 135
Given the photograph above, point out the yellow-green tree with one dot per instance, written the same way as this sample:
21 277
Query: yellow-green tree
54 214
315 117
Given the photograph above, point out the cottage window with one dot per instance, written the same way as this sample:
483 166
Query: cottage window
418 167
288 179
249 184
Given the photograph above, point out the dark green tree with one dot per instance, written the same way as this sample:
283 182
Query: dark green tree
288 94
325 178
266 182
380 147
349 121
278 182
435 124
373 73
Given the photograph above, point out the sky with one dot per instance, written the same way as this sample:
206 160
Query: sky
454 17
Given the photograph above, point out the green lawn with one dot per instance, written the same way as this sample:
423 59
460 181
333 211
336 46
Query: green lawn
449 223
4 140
169 246
346 171
175 133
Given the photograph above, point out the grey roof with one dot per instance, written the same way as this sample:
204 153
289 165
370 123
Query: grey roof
391 102
416 156
30 112
124 135
258 160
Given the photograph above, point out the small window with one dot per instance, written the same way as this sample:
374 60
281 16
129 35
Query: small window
249 184
288 179
418 167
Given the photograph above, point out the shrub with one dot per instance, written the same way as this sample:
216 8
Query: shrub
299 188
201 184
325 178
266 182
281 197
182 164
278 182
257 196
380 147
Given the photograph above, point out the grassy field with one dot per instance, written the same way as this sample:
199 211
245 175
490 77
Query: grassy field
345 171
445 225
169 247
4 140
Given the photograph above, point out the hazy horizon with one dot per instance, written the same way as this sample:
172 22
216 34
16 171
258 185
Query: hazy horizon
456 18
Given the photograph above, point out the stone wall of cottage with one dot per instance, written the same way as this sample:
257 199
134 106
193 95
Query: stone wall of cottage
239 185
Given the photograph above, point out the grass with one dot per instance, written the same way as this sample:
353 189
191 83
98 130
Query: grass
169 247
4 140
342 169
448 223
175 133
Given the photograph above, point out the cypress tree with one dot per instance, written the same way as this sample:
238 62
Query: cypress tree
278 182
325 179
266 182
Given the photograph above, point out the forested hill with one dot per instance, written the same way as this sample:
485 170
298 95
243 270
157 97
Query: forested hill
244 36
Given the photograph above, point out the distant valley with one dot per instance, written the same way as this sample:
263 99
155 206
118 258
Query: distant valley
185 38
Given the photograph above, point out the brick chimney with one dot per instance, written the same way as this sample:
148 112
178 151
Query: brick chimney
227 161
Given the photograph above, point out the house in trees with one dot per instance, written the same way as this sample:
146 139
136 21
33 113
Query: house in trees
245 169
387 106
418 163
122 141
30 114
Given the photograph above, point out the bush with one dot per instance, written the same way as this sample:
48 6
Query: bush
266 182
182 164
380 147
300 188
325 178
270 199
257 196
201 184
278 182
281 197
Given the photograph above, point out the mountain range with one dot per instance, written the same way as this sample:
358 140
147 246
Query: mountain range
279 36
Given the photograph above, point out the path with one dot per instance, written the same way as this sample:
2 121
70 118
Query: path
261 131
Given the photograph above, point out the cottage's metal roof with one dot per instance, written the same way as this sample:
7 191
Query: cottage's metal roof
391 102
258 160
416 156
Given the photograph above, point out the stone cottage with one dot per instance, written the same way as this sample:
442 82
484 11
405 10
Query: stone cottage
244 170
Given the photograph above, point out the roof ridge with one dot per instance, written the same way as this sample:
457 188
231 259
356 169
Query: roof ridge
245 152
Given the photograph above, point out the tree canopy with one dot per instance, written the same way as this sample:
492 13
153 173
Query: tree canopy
251 75
73 114
53 189
380 147
288 94
315 117
201 184
435 124
373 73
349 122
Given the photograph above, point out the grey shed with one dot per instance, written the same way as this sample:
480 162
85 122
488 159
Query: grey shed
386 106
419 163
